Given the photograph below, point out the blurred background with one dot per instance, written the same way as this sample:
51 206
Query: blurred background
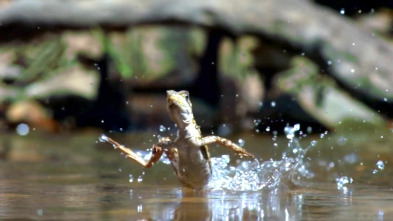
72 65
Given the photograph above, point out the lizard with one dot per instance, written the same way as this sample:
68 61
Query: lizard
188 153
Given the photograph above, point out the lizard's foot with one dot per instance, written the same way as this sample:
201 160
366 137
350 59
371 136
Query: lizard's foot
156 149
164 140
244 153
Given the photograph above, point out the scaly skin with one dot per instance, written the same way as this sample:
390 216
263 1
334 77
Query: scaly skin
188 153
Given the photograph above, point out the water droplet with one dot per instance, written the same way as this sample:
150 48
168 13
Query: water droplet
22 129
162 128
342 181
103 138
342 141
140 208
102 121
290 131
40 212
329 62
314 143
380 215
267 128
380 165
241 142
131 178
273 104
257 122
352 70
140 179
342 11
385 99
351 158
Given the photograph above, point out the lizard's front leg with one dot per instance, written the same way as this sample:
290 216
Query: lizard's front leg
223 142
157 151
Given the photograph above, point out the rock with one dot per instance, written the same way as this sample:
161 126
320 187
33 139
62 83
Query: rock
322 98
70 81
31 113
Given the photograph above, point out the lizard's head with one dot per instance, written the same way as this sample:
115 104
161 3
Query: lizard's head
180 107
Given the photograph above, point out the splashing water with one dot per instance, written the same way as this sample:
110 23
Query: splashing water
103 138
252 175
162 128
290 131
380 165
342 181
256 175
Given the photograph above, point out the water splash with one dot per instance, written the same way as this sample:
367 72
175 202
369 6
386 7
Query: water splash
380 165
162 128
257 174
290 131
103 138
342 181
252 175
131 178
241 142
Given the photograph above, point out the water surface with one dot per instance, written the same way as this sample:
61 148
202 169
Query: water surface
74 177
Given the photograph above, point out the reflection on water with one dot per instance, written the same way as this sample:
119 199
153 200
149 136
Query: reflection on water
74 178
219 205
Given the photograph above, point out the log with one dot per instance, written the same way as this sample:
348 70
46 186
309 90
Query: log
319 96
356 58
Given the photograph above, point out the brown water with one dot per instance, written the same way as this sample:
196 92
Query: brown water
75 178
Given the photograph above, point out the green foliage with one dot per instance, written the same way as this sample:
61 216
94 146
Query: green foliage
236 57
118 55
44 70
